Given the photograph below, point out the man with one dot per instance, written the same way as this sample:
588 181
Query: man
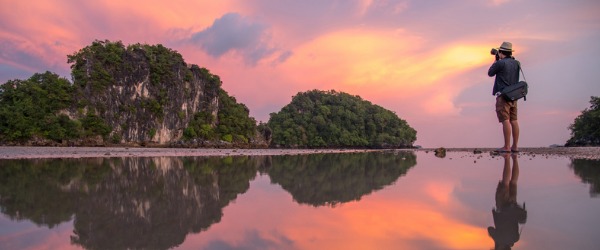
506 70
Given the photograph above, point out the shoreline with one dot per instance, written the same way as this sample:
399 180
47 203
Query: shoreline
102 152
22 152
592 153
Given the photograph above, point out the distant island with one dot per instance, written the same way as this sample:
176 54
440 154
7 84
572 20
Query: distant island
147 95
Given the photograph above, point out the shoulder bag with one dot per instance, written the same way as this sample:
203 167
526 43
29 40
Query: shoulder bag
516 91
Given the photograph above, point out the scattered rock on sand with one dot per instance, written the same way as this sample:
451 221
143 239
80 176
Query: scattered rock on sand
440 152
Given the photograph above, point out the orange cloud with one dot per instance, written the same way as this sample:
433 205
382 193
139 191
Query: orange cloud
387 63
352 57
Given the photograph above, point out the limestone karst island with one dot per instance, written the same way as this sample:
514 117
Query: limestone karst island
147 95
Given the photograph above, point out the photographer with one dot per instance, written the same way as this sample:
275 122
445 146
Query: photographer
506 70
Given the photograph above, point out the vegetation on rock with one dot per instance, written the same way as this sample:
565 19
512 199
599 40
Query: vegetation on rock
335 119
585 130
235 124
123 94
31 108
140 94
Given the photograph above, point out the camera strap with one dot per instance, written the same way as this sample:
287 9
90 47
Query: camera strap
525 80
521 69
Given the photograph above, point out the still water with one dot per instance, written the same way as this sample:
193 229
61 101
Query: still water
376 200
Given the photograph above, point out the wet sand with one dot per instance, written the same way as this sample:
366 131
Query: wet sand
571 152
86 152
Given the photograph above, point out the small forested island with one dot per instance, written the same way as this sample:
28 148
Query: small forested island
336 119
147 95
585 130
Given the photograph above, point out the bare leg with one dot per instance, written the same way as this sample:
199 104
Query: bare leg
507 131
515 134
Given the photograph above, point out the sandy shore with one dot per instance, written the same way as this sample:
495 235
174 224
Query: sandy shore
82 152
571 152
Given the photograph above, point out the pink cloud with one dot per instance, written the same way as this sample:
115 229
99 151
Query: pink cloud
423 60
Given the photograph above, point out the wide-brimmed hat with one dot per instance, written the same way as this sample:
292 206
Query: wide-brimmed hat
506 46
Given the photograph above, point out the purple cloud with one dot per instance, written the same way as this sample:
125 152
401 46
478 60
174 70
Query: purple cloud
233 32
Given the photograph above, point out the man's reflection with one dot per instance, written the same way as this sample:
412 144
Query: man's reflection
507 214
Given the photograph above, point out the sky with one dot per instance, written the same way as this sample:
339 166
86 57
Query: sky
425 60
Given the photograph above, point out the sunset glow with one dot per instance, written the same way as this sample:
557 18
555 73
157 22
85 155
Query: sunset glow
426 61
399 222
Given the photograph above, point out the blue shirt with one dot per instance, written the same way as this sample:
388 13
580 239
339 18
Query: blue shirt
506 71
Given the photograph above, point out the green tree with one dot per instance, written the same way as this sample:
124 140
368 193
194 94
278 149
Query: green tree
336 119
94 125
103 57
585 130
31 108
232 123
234 119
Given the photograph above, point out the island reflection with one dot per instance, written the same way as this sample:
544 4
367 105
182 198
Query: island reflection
588 171
126 203
331 179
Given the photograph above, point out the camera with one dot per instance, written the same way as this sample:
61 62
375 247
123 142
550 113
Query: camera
494 52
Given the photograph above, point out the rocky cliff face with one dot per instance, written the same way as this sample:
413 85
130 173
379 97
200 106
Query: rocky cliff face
134 95
145 94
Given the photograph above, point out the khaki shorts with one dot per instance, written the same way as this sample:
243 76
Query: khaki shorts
506 110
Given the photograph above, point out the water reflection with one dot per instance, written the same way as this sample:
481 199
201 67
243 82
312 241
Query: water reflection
122 203
330 179
507 214
589 172
125 203
41 190
187 203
